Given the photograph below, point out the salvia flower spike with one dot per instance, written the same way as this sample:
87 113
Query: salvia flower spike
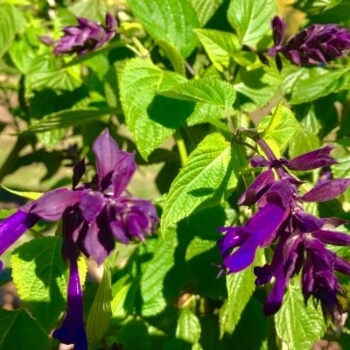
300 237
316 44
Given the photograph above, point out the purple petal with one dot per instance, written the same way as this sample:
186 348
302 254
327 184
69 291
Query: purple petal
275 298
312 160
98 243
251 194
307 222
52 204
78 172
72 330
107 159
278 29
124 170
92 204
262 225
259 161
233 237
111 23
14 227
332 237
326 190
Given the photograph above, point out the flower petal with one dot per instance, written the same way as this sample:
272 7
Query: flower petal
92 204
72 330
251 194
326 190
312 160
14 227
52 204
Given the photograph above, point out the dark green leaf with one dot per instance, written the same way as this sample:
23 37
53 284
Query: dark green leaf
19 331
205 9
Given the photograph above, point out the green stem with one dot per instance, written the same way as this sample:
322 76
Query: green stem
181 147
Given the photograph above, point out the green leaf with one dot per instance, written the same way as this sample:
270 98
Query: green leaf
302 142
259 85
299 326
69 117
100 313
205 9
240 287
19 331
219 46
173 55
202 182
210 90
206 113
22 62
134 335
39 274
169 20
94 10
279 128
24 194
251 19
313 83
151 120
121 290
12 22
188 326
152 279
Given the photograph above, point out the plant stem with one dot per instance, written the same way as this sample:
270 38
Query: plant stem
181 147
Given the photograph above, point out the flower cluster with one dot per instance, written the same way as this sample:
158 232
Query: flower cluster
93 215
300 237
85 37
318 43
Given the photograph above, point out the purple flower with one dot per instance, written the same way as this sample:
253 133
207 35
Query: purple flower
85 37
314 45
93 215
300 236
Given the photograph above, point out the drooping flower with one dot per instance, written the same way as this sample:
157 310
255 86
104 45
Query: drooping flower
301 237
318 43
94 215
84 37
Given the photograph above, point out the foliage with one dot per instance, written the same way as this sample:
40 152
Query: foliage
175 86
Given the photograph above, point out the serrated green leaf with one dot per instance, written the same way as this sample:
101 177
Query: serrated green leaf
219 46
251 19
240 287
169 20
205 9
259 85
202 182
39 274
188 326
19 331
24 194
151 283
279 128
12 22
100 313
206 113
209 90
297 325
94 10
173 55
66 118
63 79
121 290
302 142
139 82
313 83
